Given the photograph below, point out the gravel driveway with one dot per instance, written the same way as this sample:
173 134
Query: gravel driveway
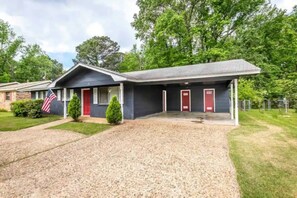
141 158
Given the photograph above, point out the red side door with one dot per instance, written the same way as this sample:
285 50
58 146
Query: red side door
185 100
209 100
87 101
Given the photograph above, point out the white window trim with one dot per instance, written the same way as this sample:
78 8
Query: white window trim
82 100
95 95
59 95
164 98
71 92
181 99
214 99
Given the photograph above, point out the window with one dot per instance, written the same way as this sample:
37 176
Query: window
58 94
7 95
106 94
114 91
41 95
103 95
95 95
71 91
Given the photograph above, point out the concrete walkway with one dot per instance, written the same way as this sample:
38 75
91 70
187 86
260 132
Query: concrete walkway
141 158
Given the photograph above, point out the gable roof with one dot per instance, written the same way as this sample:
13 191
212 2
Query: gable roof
115 75
236 67
24 86
7 84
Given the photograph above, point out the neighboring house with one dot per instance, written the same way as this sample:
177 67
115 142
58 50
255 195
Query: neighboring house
17 91
198 88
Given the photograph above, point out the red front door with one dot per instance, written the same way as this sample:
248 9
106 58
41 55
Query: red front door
87 102
185 100
209 100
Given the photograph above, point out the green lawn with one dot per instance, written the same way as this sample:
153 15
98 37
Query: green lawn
83 127
264 152
10 123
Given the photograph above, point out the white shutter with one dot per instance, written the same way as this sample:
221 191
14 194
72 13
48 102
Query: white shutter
71 94
95 95
36 95
58 94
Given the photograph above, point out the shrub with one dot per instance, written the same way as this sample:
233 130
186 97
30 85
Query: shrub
27 108
3 110
19 109
74 108
113 112
34 108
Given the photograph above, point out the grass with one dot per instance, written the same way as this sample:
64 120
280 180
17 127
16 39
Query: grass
10 123
264 152
82 127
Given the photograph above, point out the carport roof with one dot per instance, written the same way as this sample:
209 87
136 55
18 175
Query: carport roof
236 67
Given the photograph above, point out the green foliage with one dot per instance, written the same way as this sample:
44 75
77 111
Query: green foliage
187 32
100 51
74 108
36 65
33 64
113 112
27 108
133 60
34 108
10 47
3 110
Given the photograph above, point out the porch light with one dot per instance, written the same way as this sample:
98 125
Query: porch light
186 83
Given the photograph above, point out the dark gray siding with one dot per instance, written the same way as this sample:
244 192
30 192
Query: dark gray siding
128 101
96 109
147 100
197 103
83 77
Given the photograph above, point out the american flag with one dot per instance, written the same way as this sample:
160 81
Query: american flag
47 101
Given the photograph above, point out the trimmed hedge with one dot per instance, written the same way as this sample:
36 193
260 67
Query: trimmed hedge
113 112
27 108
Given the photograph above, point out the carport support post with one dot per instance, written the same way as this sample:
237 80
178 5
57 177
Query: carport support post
232 102
65 104
122 100
236 101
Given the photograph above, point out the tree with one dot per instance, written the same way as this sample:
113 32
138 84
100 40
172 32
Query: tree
100 51
36 65
113 112
74 108
10 46
190 31
133 60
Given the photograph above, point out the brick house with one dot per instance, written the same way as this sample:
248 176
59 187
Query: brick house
11 92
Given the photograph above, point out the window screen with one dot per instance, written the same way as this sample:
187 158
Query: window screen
103 95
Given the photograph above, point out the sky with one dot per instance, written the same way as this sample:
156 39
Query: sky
58 26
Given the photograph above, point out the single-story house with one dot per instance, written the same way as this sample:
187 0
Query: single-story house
11 92
206 87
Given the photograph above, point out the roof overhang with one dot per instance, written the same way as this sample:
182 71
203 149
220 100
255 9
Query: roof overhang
114 75
235 75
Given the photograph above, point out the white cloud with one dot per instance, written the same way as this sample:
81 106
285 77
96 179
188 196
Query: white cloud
61 25
95 29
285 4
